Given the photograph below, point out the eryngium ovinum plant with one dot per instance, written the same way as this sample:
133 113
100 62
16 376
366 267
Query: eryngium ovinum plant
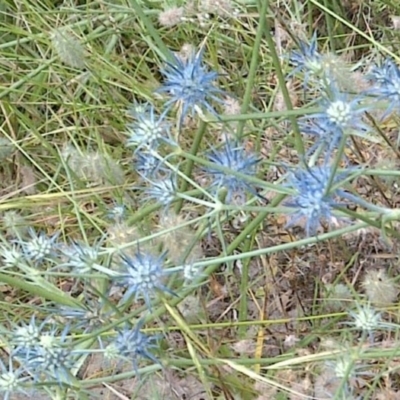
123 281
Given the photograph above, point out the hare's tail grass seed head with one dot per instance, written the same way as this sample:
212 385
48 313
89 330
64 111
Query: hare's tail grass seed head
68 48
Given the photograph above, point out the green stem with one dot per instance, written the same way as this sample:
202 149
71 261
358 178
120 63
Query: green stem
282 84
159 44
190 164
253 67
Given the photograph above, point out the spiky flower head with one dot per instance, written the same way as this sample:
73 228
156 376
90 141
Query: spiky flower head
340 115
340 112
52 358
41 352
131 344
386 84
11 380
312 201
366 319
143 275
307 59
92 314
163 190
117 212
39 246
148 165
81 257
11 256
148 129
234 157
189 84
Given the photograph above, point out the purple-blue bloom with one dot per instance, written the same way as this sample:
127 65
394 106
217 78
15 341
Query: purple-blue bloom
311 201
82 257
307 59
132 344
144 274
148 129
339 114
148 166
11 380
386 79
232 155
39 246
163 190
42 353
189 85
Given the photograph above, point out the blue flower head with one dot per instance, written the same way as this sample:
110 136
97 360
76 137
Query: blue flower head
92 315
11 380
307 59
233 156
311 201
143 275
39 247
148 166
132 344
148 129
81 257
386 80
163 190
339 114
189 85
42 353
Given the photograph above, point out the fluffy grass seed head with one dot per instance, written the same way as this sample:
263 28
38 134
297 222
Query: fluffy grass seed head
189 85
131 344
171 17
15 225
379 287
68 48
311 202
337 297
7 148
148 129
143 275
93 167
234 157
177 238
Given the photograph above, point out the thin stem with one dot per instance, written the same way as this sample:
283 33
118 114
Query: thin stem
282 84
190 164
253 66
